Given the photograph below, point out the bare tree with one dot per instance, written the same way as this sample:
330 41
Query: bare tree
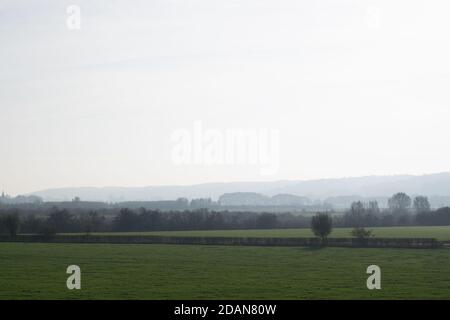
357 213
11 223
399 203
374 208
421 204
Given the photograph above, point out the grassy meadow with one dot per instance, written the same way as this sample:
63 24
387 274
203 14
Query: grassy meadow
38 271
440 233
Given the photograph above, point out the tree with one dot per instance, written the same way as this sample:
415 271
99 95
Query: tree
321 225
90 222
30 224
356 215
362 214
399 203
374 208
440 217
267 221
151 220
60 220
11 223
127 220
421 204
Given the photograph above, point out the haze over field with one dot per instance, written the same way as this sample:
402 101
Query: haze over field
352 88
375 186
224 149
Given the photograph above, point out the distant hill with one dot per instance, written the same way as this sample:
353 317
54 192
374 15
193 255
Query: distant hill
257 199
437 185
156 193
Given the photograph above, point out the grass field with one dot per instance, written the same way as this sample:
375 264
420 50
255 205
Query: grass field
440 233
37 271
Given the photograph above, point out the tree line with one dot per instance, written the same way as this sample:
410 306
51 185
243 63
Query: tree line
402 211
13 221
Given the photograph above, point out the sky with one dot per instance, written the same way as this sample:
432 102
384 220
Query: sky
330 88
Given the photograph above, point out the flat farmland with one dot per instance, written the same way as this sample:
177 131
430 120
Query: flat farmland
440 233
38 271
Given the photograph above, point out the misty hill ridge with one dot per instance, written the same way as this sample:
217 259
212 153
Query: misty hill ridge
369 186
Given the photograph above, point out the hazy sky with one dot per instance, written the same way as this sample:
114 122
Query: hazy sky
352 88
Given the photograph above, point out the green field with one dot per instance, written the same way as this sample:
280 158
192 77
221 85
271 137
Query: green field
440 233
37 271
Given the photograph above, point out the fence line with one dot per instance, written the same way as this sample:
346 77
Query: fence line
231 241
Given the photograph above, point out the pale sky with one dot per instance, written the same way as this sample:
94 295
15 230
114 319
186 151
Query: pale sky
353 88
